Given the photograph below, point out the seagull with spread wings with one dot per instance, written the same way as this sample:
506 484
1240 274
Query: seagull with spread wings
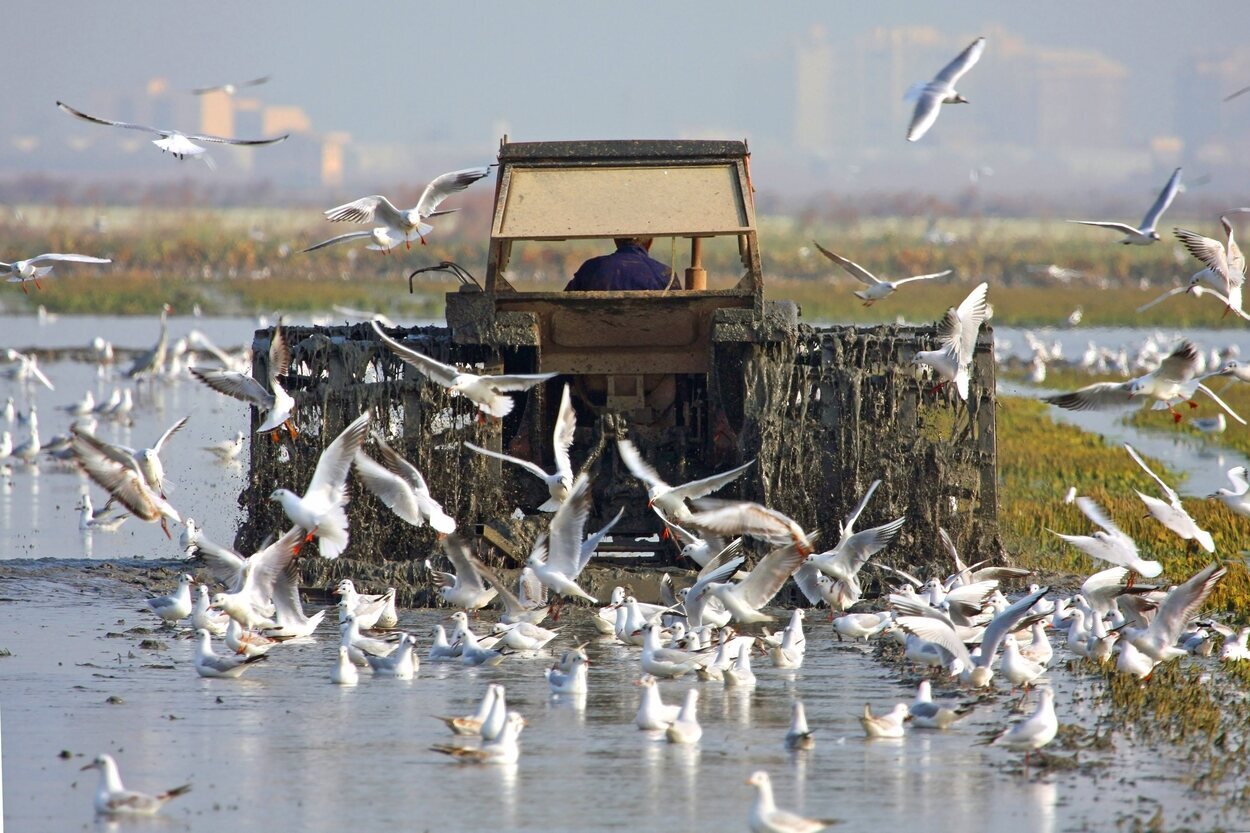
559 557
320 510
744 599
1171 512
408 224
399 485
561 480
957 333
488 393
930 97
1158 640
1110 544
180 145
241 386
32 268
1225 265
231 89
742 517
877 288
122 478
671 500
844 561
464 588
1146 233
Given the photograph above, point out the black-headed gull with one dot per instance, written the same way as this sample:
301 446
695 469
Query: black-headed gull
877 288
231 89
671 500
653 713
471 725
113 799
124 482
558 557
1110 544
686 728
151 362
407 224
529 606
252 605
278 405
844 561
957 333
765 817
926 714
344 671
174 607
1158 640
931 96
1225 264
33 268
400 486
573 681
798 736
489 393
887 725
502 750
226 451
371 611
320 510
741 517
464 588
1237 499
401 664
209 663
561 480
744 599
1171 513
1035 731
179 145
1145 234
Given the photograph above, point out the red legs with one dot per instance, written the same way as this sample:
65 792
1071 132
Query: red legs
553 610
38 285
1192 403
25 291
273 435
165 526
422 236
311 534
408 244
291 429
938 386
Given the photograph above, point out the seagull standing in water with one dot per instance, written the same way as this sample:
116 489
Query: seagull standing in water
1146 233
1034 732
957 333
488 393
877 288
113 799
930 97
407 225
179 145
320 510
766 818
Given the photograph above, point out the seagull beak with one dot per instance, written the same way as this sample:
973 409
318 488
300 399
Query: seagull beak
87 767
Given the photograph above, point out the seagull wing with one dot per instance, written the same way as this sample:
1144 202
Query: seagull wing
1165 199
852 268
272 561
1167 490
1174 291
342 238
807 577
902 281
279 352
1099 516
849 524
564 547
225 564
394 491
446 185
335 462
224 140
745 518
939 633
1006 622
512 604
1221 403
237 385
533 469
457 550
1093 397
769 575
173 429
698 488
639 467
562 437
858 548
1123 228
958 331
437 371
98 120
1211 253
928 106
513 382
397 465
1183 601
1181 364
591 544
123 482
55 257
952 72
366 210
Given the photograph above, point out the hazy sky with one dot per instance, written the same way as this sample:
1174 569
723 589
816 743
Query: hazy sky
456 72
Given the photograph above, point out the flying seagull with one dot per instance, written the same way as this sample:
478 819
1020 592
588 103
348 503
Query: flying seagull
21 271
957 334
930 97
407 224
877 288
231 89
1146 234
242 386
181 145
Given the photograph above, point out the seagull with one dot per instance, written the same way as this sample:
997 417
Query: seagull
471 725
888 725
1171 513
1146 234
245 642
179 145
877 288
400 486
381 240
1158 640
1225 264
289 616
1176 378
204 617
558 557
112 799
686 728
527 607
27 369
344 672
522 636
670 500
149 363
502 750
463 589
941 90
927 714
231 89
572 681
561 480
1110 544
252 605
487 392
844 561
402 664
358 646
320 510
31 269
957 333
277 405
227 451
409 224
1018 669
146 460
214 665
799 736
1236 499
123 481
669 663
370 611
1133 661
175 607
653 714
766 818
745 598
1035 731
107 519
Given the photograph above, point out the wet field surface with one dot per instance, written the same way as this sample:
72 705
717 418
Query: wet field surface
285 749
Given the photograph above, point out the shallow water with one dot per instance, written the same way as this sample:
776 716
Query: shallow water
284 749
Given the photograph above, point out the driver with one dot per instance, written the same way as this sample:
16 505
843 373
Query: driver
628 268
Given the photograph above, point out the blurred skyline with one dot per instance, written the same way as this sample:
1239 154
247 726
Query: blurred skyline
1069 98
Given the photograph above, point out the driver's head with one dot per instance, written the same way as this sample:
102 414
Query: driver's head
645 242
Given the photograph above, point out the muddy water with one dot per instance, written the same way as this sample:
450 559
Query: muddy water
284 749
